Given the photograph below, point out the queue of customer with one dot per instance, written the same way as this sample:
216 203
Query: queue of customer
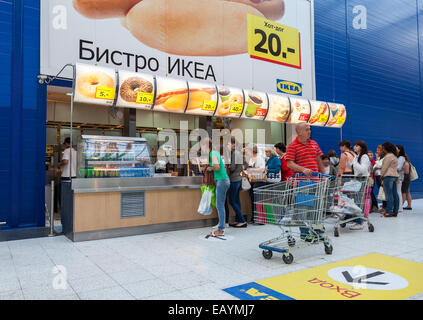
390 171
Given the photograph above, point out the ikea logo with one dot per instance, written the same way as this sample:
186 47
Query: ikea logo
289 87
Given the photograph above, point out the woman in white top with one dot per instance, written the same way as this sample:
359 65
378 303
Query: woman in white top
361 167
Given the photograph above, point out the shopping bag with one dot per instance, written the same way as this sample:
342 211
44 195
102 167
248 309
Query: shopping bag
381 195
413 173
245 184
212 189
205 204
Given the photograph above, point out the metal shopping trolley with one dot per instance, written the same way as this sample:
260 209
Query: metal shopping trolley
349 201
297 206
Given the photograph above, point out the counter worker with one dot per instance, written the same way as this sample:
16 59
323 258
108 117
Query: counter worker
64 165
303 156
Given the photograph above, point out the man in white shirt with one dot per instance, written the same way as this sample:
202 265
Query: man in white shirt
64 164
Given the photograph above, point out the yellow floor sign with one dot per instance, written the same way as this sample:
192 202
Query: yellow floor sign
368 277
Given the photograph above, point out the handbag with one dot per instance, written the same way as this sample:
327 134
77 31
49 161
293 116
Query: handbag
245 184
413 173
381 195
208 178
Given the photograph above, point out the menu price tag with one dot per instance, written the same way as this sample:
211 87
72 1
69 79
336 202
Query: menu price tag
341 120
303 117
261 112
105 93
145 97
273 42
209 105
323 118
236 108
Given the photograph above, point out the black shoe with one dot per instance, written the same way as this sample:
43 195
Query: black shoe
408 208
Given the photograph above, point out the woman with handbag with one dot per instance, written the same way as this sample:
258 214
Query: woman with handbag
222 183
401 163
390 178
235 169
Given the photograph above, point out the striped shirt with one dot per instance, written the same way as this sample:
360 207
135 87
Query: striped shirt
304 155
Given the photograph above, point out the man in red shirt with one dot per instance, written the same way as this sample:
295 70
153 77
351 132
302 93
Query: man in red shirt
303 156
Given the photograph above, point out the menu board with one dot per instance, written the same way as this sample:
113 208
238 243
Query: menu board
202 99
171 95
256 105
337 115
319 113
94 85
279 108
300 110
230 102
136 90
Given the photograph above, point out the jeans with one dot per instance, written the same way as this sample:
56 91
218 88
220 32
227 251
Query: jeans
222 187
390 188
234 200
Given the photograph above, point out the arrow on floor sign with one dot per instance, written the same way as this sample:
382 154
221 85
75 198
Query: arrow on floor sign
361 278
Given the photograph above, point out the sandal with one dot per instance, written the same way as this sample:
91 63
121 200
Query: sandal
214 235
240 225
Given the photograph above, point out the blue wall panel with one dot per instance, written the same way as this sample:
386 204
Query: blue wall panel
375 72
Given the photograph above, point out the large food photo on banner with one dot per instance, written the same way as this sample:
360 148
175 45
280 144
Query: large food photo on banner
257 45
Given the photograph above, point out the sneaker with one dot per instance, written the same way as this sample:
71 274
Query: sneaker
356 226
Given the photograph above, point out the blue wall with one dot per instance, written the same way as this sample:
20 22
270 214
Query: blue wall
22 116
375 72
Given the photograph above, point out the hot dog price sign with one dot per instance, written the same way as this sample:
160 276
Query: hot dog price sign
273 42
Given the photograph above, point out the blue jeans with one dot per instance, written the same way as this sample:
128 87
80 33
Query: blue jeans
222 187
390 188
234 200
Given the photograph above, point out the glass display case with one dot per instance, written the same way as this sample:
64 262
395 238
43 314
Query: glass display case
113 157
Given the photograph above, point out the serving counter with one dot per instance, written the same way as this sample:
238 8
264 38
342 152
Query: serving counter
113 207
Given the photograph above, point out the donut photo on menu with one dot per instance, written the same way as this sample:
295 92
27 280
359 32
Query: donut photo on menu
231 102
184 23
202 99
300 110
96 85
279 108
337 115
136 90
319 113
171 95
256 105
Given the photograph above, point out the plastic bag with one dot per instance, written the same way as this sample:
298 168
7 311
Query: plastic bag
205 204
212 189
352 186
349 205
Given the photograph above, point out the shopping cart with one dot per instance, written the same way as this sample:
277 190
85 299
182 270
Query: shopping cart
349 201
297 206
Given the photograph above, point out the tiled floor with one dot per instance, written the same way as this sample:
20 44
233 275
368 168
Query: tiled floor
183 265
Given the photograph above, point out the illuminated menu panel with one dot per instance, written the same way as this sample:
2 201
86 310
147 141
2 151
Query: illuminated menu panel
337 115
300 110
256 105
136 90
230 103
202 99
319 113
95 85
279 108
172 95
